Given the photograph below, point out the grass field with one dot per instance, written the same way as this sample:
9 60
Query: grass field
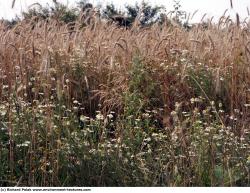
102 105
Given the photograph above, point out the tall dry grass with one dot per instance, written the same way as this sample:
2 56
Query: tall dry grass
53 74
49 49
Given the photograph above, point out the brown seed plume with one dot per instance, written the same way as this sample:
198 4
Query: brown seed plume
13 3
231 3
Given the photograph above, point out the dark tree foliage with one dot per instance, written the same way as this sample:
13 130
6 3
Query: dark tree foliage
84 5
122 20
110 11
57 11
63 13
144 12
39 12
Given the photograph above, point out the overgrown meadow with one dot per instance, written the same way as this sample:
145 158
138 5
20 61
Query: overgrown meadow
96 104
